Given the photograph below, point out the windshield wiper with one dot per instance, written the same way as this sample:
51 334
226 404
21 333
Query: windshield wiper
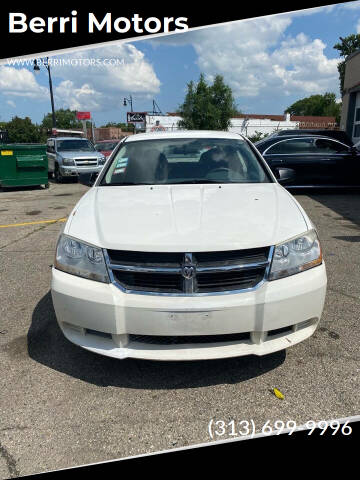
124 184
183 182
196 180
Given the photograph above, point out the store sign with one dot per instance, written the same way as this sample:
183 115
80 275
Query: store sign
136 117
83 115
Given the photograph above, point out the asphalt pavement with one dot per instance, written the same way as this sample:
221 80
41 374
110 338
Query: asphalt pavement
61 406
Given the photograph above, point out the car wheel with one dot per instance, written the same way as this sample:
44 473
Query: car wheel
57 175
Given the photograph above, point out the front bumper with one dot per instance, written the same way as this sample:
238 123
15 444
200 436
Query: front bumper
101 318
73 171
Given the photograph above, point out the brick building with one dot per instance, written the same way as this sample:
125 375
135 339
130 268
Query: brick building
108 133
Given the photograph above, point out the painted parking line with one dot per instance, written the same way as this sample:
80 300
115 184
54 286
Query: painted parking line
34 223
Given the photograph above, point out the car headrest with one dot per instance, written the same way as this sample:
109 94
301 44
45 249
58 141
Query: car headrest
145 166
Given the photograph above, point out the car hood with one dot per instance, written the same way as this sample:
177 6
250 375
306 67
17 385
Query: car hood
78 154
186 217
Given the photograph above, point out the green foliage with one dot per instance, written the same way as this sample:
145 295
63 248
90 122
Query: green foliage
22 130
112 124
317 105
207 107
124 126
65 119
255 137
346 46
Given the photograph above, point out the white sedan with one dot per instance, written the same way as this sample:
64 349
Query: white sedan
187 247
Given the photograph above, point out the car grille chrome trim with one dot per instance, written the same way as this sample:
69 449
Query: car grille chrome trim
135 268
191 277
86 162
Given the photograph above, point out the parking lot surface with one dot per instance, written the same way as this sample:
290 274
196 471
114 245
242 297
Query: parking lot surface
62 406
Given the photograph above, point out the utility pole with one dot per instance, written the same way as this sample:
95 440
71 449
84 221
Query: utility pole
130 101
37 70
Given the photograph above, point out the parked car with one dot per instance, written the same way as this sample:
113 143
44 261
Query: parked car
106 146
339 135
187 247
315 161
68 156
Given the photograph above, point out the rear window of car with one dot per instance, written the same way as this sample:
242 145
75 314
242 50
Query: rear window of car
311 145
293 146
105 146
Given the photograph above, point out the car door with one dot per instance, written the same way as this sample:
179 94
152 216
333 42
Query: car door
344 160
51 154
312 165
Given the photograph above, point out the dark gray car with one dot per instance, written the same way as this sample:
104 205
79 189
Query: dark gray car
315 161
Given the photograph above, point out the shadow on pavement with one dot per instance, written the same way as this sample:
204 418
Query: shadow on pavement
24 188
345 203
48 346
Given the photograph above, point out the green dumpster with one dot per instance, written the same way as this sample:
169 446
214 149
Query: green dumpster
23 164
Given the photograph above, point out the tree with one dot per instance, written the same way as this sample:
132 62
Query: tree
346 46
65 118
255 137
112 124
207 107
22 130
317 105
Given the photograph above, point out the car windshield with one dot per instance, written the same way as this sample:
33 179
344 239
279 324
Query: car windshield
185 160
105 146
76 144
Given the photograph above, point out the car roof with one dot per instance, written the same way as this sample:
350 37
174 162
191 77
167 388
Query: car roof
183 134
338 134
112 140
280 138
305 130
67 138
308 130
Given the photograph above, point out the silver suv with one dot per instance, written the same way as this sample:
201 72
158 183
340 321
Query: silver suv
69 156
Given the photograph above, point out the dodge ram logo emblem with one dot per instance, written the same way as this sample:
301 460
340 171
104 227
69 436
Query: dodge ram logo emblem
188 271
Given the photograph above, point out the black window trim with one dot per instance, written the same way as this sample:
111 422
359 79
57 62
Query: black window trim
109 163
304 137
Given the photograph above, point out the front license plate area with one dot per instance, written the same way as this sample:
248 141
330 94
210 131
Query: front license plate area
188 316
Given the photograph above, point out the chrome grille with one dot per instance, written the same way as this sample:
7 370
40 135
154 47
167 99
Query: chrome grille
188 273
86 162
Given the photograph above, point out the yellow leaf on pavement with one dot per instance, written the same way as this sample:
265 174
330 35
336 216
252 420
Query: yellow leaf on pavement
278 394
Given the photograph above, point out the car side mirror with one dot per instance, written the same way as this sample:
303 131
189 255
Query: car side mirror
284 175
88 178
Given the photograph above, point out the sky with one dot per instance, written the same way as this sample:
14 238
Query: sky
269 63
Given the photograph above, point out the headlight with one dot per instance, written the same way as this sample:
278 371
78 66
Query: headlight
80 259
68 162
296 255
102 160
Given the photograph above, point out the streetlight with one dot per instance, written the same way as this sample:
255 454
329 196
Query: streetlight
37 70
130 101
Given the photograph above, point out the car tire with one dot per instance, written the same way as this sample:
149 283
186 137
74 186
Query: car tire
57 175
